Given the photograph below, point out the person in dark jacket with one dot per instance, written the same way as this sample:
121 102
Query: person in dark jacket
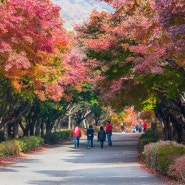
101 136
90 136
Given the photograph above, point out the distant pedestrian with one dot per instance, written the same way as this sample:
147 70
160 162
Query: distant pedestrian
101 136
76 135
140 127
109 132
144 127
90 136
123 126
137 128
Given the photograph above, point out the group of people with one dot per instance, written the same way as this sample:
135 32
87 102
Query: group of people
140 128
101 137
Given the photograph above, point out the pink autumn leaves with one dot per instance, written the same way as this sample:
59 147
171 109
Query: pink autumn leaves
36 53
151 30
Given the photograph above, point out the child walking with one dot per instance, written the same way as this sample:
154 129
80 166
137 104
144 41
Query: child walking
90 136
101 136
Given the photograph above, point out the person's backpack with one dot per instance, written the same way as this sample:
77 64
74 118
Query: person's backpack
90 133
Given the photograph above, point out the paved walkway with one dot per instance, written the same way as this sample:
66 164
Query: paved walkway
64 165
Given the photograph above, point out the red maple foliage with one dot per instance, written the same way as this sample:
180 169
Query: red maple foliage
34 47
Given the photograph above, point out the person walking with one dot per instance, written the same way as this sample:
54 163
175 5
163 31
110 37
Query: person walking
76 135
123 127
90 136
144 126
140 127
109 132
101 136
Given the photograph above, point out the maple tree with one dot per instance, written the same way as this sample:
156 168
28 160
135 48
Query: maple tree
39 66
36 51
130 117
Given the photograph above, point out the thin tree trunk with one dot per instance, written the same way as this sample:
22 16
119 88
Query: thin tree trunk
37 128
16 130
48 129
69 122
32 129
6 131
42 129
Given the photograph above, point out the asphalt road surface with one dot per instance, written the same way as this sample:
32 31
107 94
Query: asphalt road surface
65 165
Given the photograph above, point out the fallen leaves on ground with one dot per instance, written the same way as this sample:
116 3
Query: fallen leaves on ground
166 179
7 161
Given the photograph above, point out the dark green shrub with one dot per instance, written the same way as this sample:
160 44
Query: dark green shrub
9 148
57 137
148 134
146 138
166 156
52 138
31 142
2 149
15 146
36 141
23 145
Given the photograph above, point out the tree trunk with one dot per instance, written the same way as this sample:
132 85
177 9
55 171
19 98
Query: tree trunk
48 129
69 122
10 133
37 128
32 128
22 127
16 130
42 129
26 130
6 131
85 124
179 133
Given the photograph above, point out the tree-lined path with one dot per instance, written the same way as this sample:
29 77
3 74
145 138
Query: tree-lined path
64 165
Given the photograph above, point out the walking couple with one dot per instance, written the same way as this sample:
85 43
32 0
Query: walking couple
102 134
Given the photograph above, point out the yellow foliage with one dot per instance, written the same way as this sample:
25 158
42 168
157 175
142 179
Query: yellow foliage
16 84
181 62
138 1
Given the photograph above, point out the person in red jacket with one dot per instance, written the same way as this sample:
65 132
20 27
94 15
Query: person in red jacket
76 135
144 126
109 132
